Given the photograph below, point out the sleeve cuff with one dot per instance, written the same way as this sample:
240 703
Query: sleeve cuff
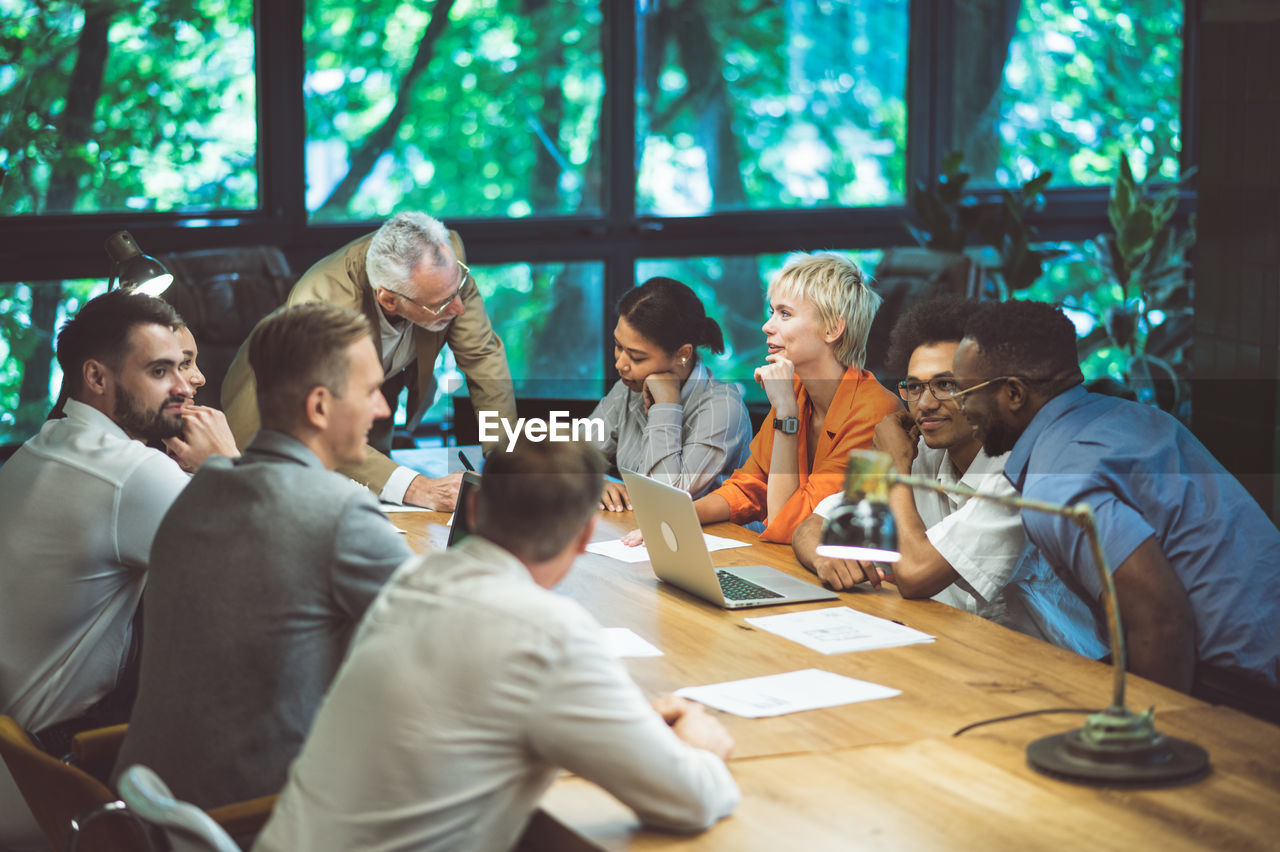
397 485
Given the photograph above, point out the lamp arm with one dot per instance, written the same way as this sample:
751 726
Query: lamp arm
1080 514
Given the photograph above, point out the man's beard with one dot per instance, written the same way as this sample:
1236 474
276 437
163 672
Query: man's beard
130 415
998 438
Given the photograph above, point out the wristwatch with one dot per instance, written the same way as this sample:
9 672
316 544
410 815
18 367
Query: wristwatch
787 425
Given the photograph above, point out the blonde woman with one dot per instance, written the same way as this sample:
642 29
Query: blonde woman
824 403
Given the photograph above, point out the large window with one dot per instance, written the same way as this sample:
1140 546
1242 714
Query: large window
743 104
1081 83
481 108
579 146
127 107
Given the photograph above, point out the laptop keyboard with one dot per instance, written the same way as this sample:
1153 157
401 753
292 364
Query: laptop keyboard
737 589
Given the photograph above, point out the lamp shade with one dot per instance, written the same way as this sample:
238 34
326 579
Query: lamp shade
862 527
135 270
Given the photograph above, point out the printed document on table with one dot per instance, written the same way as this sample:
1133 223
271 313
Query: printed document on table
839 630
615 549
628 643
776 695
392 508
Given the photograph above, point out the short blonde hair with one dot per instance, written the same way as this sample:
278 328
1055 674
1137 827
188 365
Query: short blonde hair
834 285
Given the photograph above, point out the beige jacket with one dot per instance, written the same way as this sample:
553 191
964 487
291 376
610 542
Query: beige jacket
341 279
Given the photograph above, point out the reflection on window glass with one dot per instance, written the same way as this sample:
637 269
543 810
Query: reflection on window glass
732 290
549 318
746 105
1076 84
484 108
30 314
160 115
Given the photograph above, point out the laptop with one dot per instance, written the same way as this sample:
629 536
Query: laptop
462 524
679 554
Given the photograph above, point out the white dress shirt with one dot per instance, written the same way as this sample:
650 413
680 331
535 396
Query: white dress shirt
79 505
466 687
693 445
396 339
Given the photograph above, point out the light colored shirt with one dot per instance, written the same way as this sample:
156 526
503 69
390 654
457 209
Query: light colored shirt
1144 474
692 445
466 686
397 353
79 506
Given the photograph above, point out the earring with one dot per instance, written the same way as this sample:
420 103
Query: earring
682 361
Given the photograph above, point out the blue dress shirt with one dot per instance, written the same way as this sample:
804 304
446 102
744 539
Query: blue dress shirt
1145 474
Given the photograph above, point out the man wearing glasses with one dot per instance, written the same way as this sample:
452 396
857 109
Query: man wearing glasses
970 554
410 280
1196 562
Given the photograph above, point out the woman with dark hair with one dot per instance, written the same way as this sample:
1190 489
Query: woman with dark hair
667 417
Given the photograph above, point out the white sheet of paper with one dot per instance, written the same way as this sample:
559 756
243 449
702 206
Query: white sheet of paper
615 549
839 630
627 643
792 692
392 508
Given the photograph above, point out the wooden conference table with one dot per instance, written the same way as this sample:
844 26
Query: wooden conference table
888 773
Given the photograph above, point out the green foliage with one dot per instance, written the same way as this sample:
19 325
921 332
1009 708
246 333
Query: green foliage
19 339
1086 83
173 126
748 105
950 215
503 120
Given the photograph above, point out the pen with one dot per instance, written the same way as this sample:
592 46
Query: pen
462 457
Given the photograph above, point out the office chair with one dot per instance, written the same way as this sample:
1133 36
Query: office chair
66 802
183 825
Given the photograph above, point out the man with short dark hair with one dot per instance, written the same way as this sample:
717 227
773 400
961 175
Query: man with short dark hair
262 569
968 553
469 683
1196 562
410 282
79 506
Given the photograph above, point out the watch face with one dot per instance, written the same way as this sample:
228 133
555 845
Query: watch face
787 425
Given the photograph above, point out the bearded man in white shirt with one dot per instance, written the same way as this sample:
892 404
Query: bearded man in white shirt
469 683
79 505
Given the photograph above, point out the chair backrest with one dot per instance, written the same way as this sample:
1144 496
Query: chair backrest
58 793
185 826
221 294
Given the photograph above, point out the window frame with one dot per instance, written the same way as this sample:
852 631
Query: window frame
36 248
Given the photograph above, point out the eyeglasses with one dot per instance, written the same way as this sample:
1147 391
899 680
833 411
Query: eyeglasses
942 389
437 311
959 395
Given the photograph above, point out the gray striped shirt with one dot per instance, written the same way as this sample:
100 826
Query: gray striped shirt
694 445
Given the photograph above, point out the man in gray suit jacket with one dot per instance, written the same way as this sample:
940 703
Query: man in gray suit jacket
262 569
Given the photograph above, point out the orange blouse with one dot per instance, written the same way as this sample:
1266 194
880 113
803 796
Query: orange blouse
859 405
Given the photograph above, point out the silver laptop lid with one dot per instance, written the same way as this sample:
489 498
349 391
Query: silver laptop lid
673 536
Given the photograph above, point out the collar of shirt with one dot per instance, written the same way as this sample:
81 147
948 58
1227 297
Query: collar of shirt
90 416
474 555
395 342
270 445
1015 466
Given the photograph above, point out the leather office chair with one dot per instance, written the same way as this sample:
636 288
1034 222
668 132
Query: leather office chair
221 294
66 801
185 827
69 804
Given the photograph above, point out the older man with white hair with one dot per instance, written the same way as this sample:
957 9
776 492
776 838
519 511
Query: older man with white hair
410 279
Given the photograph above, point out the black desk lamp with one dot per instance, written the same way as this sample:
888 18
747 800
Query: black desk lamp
133 269
1113 746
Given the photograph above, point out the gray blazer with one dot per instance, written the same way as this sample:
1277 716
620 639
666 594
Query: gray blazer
260 572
